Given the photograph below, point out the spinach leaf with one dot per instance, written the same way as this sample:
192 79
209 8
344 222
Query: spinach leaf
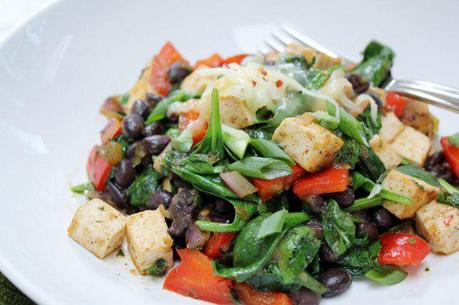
359 180
235 140
200 164
271 150
183 141
143 186
296 251
247 247
160 110
268 278
243 211
376 64
370 164
358 261
159 268
451 196
365 203
260 133
417 172
213 141
372 128
339 230
273 224
386 275
242 273
349 153
263 168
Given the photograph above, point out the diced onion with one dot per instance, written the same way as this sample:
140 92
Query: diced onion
238 184
375 191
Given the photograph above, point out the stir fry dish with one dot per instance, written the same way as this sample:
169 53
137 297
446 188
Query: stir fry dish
270 179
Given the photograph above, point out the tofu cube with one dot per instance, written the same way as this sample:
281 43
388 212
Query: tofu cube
391 127
439 224
387 155
312 146
412 145
148 239
419 191
235 113
98 227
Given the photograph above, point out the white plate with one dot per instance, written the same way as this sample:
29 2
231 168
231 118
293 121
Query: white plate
56 69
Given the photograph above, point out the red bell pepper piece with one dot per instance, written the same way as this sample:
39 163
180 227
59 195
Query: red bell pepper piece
98 169
452 154
402 249
330 180
234 59
397 103
162 62
250 296
214 60
269 188
194 278
219 242
111 130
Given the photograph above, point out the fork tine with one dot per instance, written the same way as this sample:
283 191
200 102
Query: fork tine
281 38
274 45
306 41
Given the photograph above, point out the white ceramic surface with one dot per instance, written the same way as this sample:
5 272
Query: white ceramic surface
56 69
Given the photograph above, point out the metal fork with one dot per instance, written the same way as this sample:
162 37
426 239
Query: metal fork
437 95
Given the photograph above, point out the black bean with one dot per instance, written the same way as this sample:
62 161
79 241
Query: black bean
155 144
362 216
173 117
383 218
154 129
359 84
125 173
141 108
316 226
157 198
344 199
137 153
315 202
153 99
369 229
433 160
336 281
133 126
178 72
118 195
183 209
327 255
305 296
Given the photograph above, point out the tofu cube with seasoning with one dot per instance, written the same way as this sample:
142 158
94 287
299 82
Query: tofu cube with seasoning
98 227
148 240
439 224
312 146
412 145
417 190
391 127
387 155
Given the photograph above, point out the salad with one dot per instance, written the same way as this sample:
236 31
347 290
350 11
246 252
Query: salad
269 179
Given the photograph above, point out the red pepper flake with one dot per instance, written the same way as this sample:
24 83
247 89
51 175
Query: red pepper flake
448 220
254 83
279 83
